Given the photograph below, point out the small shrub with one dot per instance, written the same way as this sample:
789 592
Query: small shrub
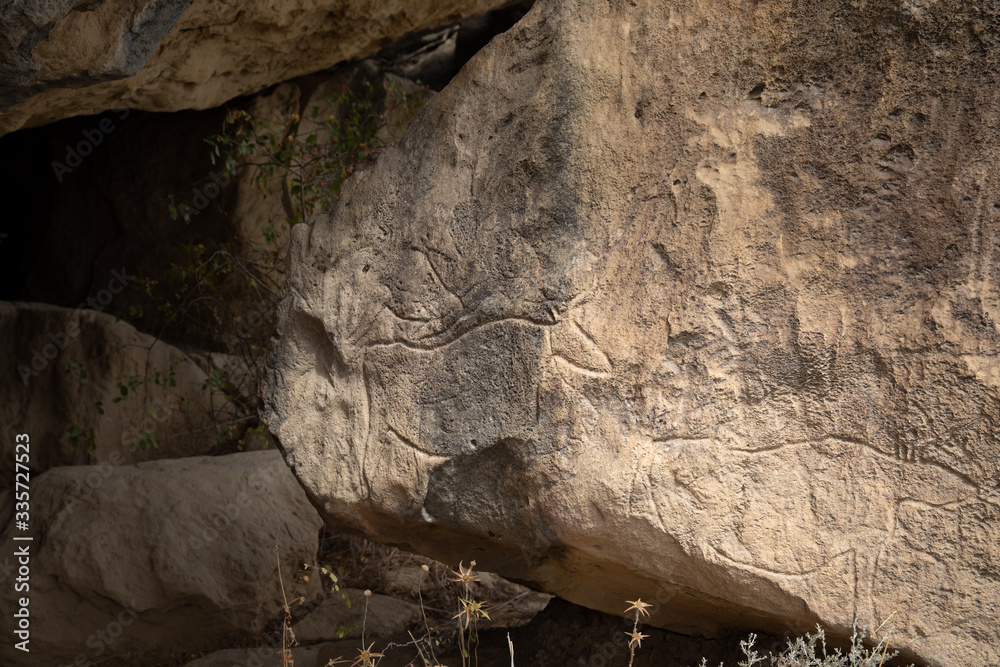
811 650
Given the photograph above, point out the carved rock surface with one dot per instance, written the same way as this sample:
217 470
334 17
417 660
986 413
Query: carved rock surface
161 556
70 57
693 301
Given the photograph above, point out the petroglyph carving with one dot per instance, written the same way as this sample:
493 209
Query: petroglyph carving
702 344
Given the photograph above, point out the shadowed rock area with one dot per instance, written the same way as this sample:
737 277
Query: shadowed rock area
70 57
695 302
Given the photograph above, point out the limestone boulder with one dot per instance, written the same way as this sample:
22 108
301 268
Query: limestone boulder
692 301
304 109
162 556
86 388
71 57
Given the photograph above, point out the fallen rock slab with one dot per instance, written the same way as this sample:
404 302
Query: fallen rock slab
163 556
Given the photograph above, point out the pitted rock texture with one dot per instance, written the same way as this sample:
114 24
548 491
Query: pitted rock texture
693 301
70 57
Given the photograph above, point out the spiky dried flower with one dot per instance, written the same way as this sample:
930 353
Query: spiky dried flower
639 606
635 639
471 609
464 576
365 657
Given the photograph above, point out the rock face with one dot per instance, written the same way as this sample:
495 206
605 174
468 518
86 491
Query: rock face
141 561
692 301
70 57
66 369
340 616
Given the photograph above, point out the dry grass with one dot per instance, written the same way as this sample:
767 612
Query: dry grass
455 603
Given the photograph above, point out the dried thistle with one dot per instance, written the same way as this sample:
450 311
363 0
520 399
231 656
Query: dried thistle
464 576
